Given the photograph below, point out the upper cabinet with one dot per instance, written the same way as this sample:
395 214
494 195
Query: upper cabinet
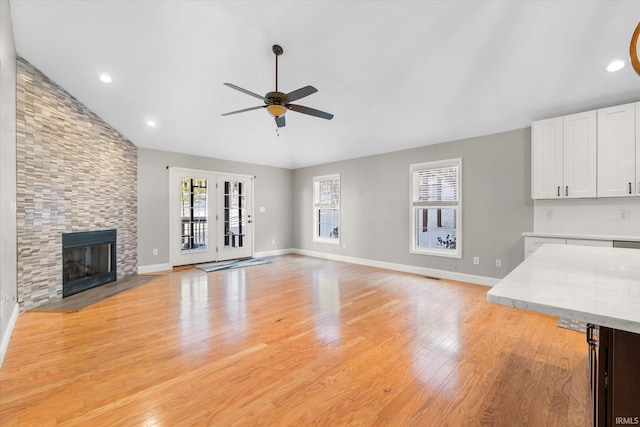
546 157
563 152
617 151
587 155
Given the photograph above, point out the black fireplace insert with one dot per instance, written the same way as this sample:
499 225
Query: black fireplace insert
88 260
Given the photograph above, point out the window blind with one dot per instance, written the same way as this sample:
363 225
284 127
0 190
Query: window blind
439 184
327 192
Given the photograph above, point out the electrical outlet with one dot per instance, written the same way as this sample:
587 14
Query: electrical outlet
155 251
476 260
498 263
344 245
548 214
273 241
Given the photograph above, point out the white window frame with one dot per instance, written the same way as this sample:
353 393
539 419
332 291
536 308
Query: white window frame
414 206
317 206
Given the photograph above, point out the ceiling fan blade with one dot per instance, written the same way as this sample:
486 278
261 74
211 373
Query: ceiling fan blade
243 110
248 92
301 93
280 121
310 111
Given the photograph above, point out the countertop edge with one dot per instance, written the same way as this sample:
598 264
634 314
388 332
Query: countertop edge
581 316
581 236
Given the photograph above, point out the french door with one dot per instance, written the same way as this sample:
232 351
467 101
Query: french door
210 216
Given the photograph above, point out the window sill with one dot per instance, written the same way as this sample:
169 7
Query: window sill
435 252
330 241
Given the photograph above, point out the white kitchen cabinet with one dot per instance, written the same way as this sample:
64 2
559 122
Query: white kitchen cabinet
563 153
580 155
532 243
546 156
589 242
617 153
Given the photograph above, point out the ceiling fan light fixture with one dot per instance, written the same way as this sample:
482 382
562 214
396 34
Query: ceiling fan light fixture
276 110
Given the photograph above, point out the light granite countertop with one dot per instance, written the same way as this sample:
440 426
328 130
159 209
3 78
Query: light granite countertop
582 236
591 284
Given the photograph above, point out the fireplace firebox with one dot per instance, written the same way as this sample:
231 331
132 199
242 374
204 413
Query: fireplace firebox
88 260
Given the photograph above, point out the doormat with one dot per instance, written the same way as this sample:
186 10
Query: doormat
233 264
92 296
574 325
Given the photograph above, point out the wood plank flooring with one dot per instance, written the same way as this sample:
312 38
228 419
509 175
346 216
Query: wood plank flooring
298 342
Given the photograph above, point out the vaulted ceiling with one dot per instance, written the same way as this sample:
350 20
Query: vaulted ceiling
396 74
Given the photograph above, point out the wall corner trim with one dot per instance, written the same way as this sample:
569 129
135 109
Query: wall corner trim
6 334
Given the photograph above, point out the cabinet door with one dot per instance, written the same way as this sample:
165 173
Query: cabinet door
531 244
586 242
617 151
546 156
579 155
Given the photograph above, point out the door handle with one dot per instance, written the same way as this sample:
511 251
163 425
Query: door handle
566 191
558 191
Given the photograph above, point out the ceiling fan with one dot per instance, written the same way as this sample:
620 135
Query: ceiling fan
277 103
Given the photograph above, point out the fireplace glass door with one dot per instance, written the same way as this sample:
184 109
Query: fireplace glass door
88 260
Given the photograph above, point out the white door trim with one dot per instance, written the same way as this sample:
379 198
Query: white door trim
214 228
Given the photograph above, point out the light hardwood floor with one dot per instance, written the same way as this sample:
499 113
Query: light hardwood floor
301 341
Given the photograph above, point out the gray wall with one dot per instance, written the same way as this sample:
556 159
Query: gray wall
272 190
8 269
375 215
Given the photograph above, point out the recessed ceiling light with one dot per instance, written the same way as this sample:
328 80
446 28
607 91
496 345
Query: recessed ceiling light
151 123
105 78
616 65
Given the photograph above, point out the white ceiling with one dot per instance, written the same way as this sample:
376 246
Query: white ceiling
396 74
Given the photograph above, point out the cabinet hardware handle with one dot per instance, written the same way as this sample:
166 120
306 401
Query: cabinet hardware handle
629 188
566 191
558 191
590 340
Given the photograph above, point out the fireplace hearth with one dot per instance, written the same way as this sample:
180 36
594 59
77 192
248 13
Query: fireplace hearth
88 260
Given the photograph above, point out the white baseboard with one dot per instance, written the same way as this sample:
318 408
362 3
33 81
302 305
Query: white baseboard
274 252
424 271
143 269
6 335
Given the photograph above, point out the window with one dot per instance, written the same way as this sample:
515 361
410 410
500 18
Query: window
436 208
326 209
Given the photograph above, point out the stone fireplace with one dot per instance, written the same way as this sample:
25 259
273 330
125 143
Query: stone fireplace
75 175
88 260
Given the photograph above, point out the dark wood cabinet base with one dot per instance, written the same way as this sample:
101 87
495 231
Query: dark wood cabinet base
615 376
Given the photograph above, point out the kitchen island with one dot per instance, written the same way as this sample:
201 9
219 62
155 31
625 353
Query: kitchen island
599 286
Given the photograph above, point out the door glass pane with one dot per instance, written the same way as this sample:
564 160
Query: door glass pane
436 228
234 214
195 224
